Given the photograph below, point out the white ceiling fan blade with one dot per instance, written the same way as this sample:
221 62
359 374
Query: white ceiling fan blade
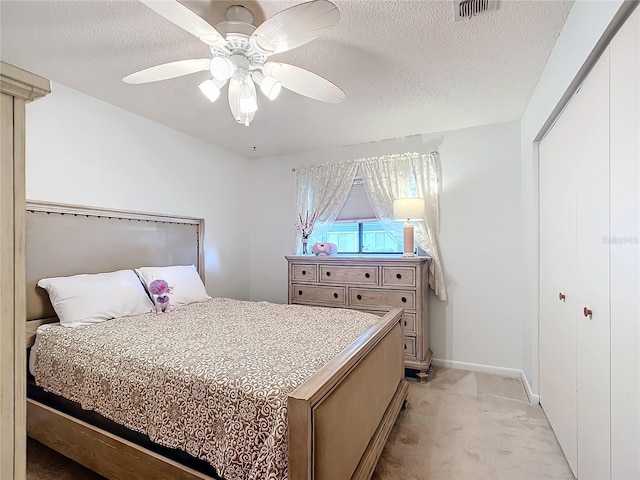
168 70
294 26
184 18
234 102
304 82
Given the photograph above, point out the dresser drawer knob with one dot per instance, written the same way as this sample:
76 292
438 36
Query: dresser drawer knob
359 297
398 276
328 274
405 323
405 346
304 272
299 292
404 299
367 275
335 295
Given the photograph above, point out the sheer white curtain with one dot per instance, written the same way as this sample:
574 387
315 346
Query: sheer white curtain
323 189
389 177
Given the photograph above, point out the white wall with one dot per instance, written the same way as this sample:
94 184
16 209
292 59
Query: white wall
585 24
481 323
81 150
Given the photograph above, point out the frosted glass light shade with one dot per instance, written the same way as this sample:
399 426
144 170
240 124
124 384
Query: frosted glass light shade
248 102
222 68
269 85
408 208
210 90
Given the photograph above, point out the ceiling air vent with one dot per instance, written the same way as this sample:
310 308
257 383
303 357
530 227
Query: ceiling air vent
469 8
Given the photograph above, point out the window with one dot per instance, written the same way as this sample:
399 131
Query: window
363 237
357 230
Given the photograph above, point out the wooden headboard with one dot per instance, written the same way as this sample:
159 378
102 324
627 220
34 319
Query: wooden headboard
63 240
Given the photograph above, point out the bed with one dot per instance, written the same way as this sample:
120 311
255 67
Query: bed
337 419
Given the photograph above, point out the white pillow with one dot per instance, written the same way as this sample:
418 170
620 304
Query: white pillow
186 285
86 299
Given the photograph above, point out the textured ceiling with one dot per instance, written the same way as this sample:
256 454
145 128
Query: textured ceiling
406 67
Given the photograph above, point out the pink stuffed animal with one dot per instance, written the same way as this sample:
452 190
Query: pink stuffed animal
322 249
160 291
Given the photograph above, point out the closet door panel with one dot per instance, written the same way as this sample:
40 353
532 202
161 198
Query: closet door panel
625 248
592 260
557 278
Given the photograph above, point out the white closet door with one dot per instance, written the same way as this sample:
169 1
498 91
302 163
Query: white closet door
592 248
625 250
557 278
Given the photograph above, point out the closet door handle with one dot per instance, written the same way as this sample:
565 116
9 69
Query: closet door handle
561 296
587 312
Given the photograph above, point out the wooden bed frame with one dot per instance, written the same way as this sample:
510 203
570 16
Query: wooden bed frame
339 420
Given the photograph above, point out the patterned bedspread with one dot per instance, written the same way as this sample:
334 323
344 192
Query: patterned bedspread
209 378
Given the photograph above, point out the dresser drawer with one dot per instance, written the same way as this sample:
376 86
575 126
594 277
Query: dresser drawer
409 321
399 276
409 347
315 294
383 298
304 273
348 274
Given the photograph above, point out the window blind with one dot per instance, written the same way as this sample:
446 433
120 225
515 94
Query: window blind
357 207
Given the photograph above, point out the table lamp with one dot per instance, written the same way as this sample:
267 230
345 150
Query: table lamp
408 209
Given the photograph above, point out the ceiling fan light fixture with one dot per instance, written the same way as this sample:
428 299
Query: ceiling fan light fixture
222 68
269 85
271 88
248 102
211 89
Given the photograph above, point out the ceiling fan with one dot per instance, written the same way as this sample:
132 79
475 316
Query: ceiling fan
240 50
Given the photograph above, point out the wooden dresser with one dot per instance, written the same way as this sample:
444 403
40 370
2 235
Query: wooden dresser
372 284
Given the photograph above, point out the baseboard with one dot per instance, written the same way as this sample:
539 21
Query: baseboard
502 371
534 398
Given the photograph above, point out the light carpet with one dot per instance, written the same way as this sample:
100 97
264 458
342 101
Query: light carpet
460 425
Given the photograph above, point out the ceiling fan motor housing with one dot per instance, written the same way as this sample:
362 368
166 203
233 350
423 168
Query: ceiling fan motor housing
237 30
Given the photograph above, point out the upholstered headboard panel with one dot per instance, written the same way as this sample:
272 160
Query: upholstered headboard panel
64 240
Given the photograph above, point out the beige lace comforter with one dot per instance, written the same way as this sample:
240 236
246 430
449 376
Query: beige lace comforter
209 378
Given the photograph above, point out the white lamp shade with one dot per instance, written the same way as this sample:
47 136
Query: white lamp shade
269 85
210 89
408 208
248 102
222 68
